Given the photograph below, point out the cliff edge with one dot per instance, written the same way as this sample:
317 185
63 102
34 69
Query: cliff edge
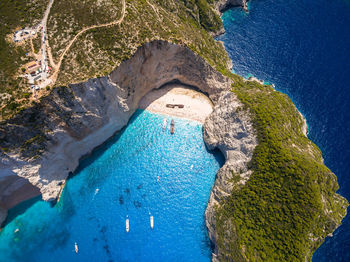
44 143
274 199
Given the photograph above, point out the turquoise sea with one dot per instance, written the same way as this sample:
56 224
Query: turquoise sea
300 46
120 179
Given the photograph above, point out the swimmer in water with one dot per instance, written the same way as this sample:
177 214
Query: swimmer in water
157 178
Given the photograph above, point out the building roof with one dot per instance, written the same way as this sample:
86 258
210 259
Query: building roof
31 64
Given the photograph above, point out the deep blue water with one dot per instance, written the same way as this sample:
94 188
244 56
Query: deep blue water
120 179
303 47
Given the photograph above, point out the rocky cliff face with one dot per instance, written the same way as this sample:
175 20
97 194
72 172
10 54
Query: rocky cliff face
44 143
231 130
223 5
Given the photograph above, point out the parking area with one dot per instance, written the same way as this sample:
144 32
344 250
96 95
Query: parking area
25 34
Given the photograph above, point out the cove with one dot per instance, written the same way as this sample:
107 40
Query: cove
303 48
120 179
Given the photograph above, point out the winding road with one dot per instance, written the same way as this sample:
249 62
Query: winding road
58 65
44 64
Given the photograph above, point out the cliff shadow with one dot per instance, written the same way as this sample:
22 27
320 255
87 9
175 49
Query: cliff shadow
164 89
95 154
178 100
20 209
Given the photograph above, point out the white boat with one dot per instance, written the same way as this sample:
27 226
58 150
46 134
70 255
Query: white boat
151 220
127 224
164 123
76 247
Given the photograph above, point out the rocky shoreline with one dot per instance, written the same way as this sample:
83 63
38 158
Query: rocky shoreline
73 120
223 5
85 115
45 143
232 132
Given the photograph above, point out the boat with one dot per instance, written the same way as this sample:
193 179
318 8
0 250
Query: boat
172 126
151 220
175 105
127 224
76 247
164 124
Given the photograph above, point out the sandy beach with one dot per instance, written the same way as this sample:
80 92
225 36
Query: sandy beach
197 106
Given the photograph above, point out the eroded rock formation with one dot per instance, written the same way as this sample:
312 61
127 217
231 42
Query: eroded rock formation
223 5
229 129
48 139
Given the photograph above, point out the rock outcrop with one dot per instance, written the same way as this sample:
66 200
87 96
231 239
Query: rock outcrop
229 129
48 139
3 215
220 6
223 5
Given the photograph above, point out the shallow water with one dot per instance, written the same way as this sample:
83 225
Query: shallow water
303 48
120 179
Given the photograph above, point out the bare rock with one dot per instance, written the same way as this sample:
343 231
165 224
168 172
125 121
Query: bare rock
3 215
230 129
49 139
222 5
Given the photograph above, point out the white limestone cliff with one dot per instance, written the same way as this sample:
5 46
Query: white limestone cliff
71 122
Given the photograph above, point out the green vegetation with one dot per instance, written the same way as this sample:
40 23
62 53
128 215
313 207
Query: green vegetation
202 11
145 21
36 44
288 205
98 51
67 18
15 14
280 213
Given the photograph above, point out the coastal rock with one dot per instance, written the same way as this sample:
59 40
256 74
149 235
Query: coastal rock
51 137
229 129
48 140
3 215
222 5
304 127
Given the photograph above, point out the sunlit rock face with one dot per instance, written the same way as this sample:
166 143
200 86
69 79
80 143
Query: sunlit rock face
72 121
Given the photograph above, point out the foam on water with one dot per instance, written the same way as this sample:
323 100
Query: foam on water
120 179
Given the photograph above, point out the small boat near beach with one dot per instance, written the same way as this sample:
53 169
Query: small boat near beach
151 221
127 224
172 127
164 124
175 105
